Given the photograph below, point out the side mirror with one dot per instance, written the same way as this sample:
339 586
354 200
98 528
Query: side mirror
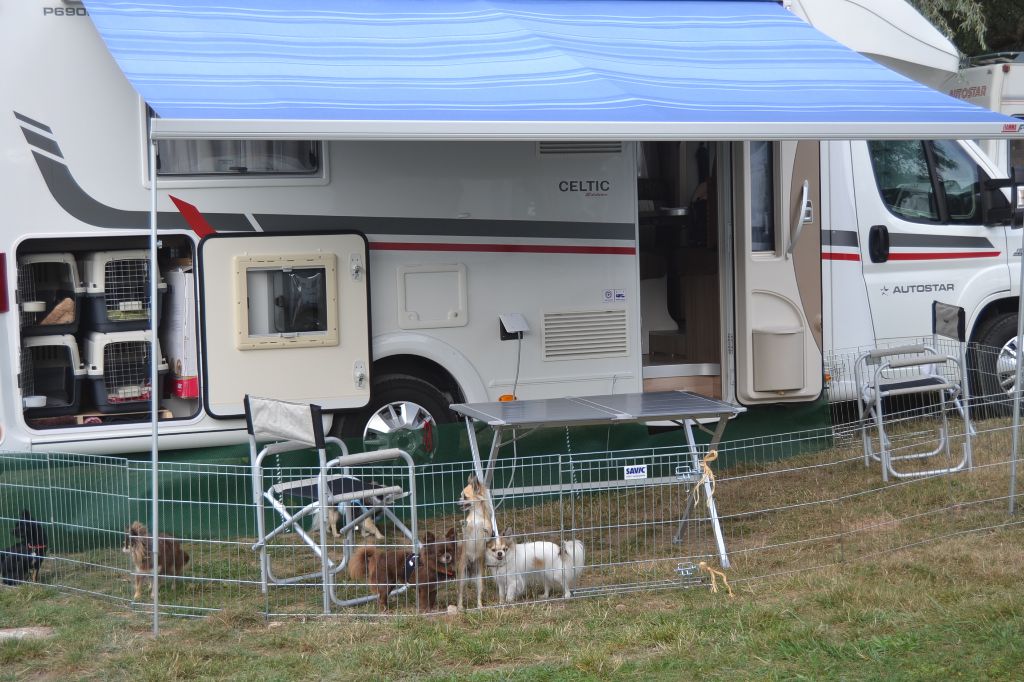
996 210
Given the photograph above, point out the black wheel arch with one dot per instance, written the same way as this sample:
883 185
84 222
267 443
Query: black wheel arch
992 310
397 366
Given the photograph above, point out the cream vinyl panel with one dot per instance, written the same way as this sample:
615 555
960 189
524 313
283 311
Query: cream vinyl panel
778 288
330 369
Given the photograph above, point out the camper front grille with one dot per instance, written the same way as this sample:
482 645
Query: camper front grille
585 334
564 148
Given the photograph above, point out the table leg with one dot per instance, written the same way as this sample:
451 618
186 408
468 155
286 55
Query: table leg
482 475
474 449
716 437
492 458
695 463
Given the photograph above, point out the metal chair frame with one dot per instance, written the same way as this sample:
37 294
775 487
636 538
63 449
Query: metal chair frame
920 365
372 499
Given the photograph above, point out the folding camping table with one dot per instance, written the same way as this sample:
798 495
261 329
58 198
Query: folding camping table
680 407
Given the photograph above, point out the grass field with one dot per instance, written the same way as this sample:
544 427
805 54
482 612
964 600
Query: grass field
872 582
950 609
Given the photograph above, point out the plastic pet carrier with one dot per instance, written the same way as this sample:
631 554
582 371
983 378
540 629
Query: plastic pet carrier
117 290
51 376
49 293
119 370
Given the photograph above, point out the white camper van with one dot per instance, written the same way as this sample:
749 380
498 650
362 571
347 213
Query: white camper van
996 82
386 278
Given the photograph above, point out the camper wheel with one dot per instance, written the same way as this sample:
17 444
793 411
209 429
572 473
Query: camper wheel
404 412
995 360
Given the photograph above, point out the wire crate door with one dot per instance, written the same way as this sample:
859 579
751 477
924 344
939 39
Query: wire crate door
284 315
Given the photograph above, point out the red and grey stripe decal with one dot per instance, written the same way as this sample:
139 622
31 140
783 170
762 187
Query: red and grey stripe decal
843 245
518 233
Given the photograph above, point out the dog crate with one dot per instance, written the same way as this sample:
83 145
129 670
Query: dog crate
119 370
117 290
49 293
51 375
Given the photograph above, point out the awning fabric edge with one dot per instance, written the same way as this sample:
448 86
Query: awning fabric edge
285 129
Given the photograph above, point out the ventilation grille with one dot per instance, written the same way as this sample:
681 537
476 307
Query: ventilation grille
565 148
585 334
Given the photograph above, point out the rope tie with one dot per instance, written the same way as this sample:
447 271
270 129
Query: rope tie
706 476
715 574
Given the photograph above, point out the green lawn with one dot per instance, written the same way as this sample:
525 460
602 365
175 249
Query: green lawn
948 609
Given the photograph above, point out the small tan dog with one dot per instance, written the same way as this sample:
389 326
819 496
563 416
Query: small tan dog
366 527
138 544
476 531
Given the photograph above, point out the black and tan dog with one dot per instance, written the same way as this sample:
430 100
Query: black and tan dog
171 557
387 568
32 534
15 564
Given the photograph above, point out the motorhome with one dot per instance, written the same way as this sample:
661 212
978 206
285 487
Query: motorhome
996 82
386 271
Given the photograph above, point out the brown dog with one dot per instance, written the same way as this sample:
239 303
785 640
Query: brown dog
171 557
385 569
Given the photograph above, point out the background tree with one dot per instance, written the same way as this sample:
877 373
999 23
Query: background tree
977 26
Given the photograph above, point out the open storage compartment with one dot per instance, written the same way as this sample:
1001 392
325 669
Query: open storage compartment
51 376
49 293
119 370
117 290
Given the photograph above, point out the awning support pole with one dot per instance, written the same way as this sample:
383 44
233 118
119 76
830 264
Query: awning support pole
154 384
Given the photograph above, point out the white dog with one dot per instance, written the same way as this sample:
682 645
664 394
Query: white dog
516 566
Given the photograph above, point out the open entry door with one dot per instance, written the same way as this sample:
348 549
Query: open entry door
777 204
284 316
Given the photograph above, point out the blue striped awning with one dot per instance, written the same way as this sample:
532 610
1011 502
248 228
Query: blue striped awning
507 69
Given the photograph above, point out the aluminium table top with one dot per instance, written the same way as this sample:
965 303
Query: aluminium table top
599 409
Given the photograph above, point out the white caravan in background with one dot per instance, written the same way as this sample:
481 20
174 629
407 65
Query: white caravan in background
891 32
996 82
390 279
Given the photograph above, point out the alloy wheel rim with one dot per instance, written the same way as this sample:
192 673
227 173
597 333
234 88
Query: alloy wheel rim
401 424
1006 366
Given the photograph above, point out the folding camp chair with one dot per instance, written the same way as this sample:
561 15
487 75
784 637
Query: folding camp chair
297 427
921 370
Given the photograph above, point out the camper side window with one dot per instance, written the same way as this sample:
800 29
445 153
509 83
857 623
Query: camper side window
901 173
236 158
286 301
762 193
960 179
176 158
928 182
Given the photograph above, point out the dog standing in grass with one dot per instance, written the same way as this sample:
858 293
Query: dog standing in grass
476 531
171 557
386 568
33 534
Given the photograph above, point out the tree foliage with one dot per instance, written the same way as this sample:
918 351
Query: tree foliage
977 26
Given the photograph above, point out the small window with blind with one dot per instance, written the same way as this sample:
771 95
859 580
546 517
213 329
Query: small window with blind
189 159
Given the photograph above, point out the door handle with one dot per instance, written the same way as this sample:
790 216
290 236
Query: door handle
805 216
878 243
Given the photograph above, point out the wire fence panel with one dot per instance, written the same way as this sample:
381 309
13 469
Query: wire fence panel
590 517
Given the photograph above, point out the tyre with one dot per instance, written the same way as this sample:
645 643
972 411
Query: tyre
994 363
404 412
